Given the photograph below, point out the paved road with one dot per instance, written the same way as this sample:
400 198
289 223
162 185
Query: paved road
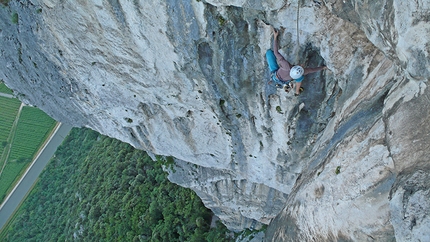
24 185
6 95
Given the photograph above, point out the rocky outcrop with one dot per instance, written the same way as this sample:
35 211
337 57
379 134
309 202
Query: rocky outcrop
345 160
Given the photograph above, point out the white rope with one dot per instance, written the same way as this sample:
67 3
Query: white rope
297 26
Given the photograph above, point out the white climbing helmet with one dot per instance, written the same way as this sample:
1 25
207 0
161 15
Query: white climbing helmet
296 72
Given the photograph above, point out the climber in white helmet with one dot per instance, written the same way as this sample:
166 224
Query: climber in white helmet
282 71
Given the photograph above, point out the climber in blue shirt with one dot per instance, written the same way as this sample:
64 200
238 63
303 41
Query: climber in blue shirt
282 71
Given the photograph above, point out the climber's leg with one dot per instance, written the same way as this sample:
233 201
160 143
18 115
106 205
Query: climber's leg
271 61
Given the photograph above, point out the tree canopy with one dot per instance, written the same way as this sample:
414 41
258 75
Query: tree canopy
100 189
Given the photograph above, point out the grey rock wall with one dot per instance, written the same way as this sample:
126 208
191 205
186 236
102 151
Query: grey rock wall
346 160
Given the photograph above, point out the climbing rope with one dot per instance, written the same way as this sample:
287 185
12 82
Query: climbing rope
297 26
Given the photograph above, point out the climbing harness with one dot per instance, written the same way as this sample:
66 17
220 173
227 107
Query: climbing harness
278 82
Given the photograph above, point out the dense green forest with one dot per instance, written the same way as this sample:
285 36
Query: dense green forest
100 189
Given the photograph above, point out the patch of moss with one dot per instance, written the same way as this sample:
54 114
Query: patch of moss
221 21
129 120
20 55
337 170
14 18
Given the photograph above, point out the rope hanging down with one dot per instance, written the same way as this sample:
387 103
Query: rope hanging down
297 26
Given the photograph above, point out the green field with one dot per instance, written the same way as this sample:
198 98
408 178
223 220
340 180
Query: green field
20 141
33 128
5 89
8 109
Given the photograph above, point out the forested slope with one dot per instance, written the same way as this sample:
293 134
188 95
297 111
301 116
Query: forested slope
100 189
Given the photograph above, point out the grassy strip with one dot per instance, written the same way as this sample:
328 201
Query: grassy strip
16 213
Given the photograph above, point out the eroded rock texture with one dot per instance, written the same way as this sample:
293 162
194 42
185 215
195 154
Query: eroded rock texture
346 160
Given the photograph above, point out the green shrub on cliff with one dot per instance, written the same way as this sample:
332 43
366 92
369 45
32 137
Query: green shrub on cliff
14 18
4 2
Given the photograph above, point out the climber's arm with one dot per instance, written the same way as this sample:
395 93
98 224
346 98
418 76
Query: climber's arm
275 44
280 59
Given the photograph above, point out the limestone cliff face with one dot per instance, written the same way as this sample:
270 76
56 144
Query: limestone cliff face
348 159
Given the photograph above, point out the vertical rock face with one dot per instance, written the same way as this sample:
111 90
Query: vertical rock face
347 159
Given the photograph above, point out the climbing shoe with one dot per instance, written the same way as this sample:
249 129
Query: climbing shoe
301 89
287 87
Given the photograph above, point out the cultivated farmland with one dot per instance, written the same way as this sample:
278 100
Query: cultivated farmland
4 89
33 128
20 140
8 111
